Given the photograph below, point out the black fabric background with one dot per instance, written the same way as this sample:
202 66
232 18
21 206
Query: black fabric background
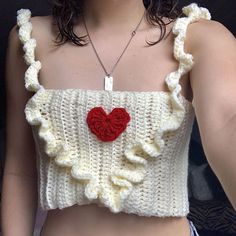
210 208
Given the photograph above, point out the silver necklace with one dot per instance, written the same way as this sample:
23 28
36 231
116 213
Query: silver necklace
108 79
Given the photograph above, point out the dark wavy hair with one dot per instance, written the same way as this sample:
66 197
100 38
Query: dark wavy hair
66 12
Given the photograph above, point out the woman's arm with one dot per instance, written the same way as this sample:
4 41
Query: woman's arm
19 191
213 81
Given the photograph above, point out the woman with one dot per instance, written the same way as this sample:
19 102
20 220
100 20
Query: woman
122 173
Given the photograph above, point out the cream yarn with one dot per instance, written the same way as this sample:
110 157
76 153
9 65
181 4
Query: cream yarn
144 171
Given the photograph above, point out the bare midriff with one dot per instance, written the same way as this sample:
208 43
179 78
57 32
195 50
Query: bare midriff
91 220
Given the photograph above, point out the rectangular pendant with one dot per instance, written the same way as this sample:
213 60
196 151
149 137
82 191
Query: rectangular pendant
108 83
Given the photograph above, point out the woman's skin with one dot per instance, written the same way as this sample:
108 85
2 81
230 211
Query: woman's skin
140 69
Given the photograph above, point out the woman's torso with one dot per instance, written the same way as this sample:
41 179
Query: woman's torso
140 69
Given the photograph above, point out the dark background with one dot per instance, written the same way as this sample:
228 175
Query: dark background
210 209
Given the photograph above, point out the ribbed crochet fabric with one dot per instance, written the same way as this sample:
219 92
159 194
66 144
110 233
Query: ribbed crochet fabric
144 170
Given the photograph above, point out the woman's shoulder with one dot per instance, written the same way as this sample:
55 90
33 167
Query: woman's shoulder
40 24
202 30
42 28
204 33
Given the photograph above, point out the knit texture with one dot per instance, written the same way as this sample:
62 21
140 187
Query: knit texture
144 169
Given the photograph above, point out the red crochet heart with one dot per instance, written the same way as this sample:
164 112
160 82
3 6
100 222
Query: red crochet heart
107 127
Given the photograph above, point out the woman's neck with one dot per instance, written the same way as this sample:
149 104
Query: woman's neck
124 14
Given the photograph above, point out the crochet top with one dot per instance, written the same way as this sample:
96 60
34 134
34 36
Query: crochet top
124 150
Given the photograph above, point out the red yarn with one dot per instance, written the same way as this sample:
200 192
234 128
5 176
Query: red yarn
107 127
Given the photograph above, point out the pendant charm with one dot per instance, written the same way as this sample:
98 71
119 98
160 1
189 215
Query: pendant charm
108 83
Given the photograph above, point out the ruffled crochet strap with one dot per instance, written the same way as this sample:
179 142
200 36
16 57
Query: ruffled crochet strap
193 12
29 45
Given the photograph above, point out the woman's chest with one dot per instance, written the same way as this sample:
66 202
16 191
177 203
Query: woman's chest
140 68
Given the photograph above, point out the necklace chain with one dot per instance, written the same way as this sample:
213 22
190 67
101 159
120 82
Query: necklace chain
133 33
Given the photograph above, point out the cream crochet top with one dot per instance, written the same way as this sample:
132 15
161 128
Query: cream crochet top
124 150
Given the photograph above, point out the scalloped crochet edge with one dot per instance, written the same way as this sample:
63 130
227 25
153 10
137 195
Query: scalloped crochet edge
137 153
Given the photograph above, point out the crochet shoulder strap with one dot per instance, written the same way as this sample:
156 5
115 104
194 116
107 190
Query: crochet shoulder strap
29 45
193 12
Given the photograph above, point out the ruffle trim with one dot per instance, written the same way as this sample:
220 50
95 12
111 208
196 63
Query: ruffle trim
29 45
137 153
